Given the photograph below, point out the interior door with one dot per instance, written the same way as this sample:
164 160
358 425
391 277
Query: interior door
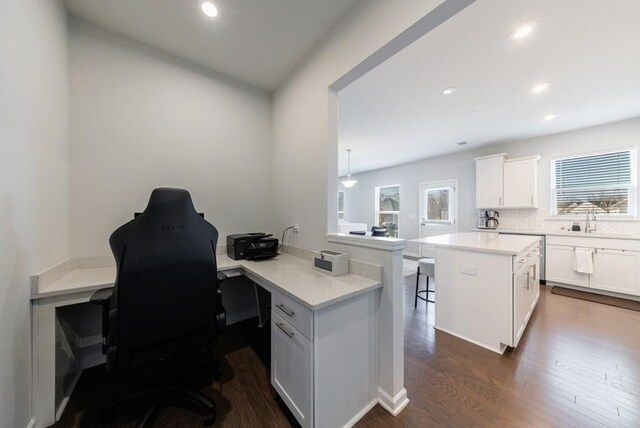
438 211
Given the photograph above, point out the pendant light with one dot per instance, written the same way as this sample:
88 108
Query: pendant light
348 183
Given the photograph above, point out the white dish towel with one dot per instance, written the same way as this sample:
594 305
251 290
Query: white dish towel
583 260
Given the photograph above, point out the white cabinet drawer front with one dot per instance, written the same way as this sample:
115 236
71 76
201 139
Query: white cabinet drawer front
560 266
531 254
616 270
292 368
594 242
293 312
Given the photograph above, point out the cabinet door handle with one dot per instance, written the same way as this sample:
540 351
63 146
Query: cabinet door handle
499 201
531 200
288 333
528 277
286 310
534 271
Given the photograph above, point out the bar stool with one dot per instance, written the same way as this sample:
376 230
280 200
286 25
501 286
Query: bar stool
426 267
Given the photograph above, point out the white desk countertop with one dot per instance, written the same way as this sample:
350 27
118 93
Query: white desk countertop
502 244
290 275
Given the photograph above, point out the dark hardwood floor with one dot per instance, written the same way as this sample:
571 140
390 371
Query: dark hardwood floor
578 365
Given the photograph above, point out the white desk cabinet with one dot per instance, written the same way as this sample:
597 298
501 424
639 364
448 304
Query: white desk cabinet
323 376
291 368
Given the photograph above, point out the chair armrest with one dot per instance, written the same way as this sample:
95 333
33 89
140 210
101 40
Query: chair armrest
102 296
222 276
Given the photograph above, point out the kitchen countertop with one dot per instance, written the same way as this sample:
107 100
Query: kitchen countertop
290 275
560 233
502 244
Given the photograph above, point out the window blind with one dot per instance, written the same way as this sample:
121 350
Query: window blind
602 183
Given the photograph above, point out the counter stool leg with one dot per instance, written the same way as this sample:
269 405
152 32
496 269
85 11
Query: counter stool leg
415 304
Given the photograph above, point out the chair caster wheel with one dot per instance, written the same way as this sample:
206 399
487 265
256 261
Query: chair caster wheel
209 419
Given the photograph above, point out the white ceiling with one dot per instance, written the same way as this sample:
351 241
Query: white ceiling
588 49
256 41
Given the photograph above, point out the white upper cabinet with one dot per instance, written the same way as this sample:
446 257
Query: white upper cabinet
489 181
506 183
521 182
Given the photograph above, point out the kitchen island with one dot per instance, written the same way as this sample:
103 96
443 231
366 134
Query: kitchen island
487 286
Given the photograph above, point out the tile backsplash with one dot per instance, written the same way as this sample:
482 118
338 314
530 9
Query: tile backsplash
539 219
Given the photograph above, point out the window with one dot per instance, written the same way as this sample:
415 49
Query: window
438 208
388 208
603 183
341 205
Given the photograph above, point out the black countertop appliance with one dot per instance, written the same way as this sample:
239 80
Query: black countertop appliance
252 246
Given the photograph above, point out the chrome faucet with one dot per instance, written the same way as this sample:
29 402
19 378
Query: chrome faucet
591 226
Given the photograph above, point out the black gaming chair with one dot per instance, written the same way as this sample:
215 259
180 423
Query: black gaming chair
166 294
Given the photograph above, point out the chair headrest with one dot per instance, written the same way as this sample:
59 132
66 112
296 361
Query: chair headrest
167 199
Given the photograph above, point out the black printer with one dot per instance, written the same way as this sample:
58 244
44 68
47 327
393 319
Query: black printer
252 246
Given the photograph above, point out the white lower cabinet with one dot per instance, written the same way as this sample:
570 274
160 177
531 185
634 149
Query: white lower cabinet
324 362
559 265
292 368
616 270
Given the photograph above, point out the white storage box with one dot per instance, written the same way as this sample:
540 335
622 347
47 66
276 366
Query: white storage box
331 262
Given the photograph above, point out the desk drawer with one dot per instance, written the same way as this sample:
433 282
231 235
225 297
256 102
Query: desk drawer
293 312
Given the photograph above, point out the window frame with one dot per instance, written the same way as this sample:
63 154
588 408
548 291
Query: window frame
343 204
451 220
377 207
632 188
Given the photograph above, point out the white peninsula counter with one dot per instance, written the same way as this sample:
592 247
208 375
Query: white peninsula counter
487 286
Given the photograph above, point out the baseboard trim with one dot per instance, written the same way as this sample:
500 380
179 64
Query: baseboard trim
393 405
32 423
500 350
354 420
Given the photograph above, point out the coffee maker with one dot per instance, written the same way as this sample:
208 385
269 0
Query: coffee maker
488 219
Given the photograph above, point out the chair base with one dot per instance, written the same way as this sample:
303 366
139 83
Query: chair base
424 298
184 398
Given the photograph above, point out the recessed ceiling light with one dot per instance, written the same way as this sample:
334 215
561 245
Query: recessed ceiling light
448 91
550 116
209 9
524 30
540 87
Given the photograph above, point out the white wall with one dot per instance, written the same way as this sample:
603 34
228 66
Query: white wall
33 179
142 119
360 200
301 113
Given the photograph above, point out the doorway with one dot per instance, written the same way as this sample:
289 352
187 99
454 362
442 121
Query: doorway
438 211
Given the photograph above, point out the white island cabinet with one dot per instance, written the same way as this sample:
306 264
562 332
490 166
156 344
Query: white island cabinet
487 286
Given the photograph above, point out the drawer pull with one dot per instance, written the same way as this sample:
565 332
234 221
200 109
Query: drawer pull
288 333
284 309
